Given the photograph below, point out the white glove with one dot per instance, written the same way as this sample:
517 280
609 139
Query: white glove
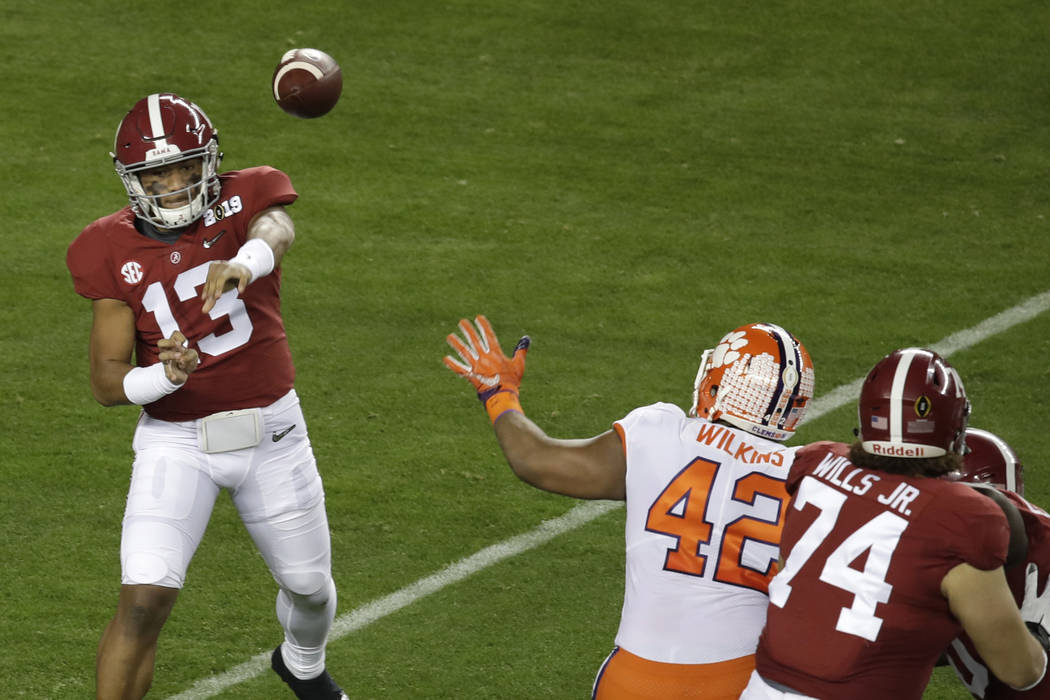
1035 608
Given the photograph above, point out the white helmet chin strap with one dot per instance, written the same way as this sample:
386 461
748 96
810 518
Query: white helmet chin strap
177 217
149 207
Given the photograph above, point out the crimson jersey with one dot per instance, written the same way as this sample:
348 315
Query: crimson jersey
963 656
857 611
245 360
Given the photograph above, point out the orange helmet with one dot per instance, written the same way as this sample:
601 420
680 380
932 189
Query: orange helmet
758 378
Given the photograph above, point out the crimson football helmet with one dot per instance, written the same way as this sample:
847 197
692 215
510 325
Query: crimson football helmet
913 405
758 378
160 130
987 459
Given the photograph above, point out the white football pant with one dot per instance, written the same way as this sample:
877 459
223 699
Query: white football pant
278 493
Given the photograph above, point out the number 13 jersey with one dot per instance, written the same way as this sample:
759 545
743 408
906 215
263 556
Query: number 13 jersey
705 504
245 360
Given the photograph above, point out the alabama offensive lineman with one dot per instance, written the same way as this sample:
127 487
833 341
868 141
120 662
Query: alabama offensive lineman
185 291
705 502
885 562
988 459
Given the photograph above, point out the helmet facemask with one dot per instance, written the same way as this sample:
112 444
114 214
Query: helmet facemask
201 194
701 373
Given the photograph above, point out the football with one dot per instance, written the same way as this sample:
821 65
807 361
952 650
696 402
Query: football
307 83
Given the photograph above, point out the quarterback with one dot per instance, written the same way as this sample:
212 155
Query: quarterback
184 284
705 502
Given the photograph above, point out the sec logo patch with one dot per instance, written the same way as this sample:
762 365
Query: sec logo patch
131 271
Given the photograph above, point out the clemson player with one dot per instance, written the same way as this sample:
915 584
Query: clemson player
705 501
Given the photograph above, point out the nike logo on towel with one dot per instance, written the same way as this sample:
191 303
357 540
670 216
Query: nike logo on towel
281 434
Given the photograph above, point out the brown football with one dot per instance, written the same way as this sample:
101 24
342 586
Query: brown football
307 83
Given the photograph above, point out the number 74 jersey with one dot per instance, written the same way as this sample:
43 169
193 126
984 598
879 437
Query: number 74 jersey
857 611
705 508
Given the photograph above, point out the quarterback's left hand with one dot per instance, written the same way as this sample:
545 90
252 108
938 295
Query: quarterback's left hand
179 360
483 362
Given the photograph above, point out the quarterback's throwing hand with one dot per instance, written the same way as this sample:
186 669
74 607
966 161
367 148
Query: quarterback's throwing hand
481 360
223 275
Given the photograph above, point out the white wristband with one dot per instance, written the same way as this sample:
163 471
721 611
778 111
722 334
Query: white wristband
143 385
257 256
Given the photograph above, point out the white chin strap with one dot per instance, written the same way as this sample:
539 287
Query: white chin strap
179 216
170 217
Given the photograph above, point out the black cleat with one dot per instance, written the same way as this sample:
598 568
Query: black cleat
320 688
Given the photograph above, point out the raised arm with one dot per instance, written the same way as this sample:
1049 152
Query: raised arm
274 226
593 468
270 235
590 468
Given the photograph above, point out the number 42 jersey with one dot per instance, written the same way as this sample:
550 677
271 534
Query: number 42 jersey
705 504
245 360
857 611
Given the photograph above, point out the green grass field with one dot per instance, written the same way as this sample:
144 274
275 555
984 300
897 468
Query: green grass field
624 181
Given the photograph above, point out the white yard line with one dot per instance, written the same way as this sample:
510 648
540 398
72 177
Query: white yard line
581 514
378 609
1025 311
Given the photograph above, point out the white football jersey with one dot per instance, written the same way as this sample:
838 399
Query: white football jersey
705 507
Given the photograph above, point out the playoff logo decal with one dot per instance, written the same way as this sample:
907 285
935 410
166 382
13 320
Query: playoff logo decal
922 407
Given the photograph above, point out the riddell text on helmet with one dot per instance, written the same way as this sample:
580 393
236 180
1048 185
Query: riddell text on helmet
902 450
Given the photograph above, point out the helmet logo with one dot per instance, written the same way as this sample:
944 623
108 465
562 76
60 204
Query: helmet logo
199 131
131 272
727 350
922 406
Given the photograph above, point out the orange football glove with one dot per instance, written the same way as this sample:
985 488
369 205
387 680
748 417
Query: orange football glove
495 376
